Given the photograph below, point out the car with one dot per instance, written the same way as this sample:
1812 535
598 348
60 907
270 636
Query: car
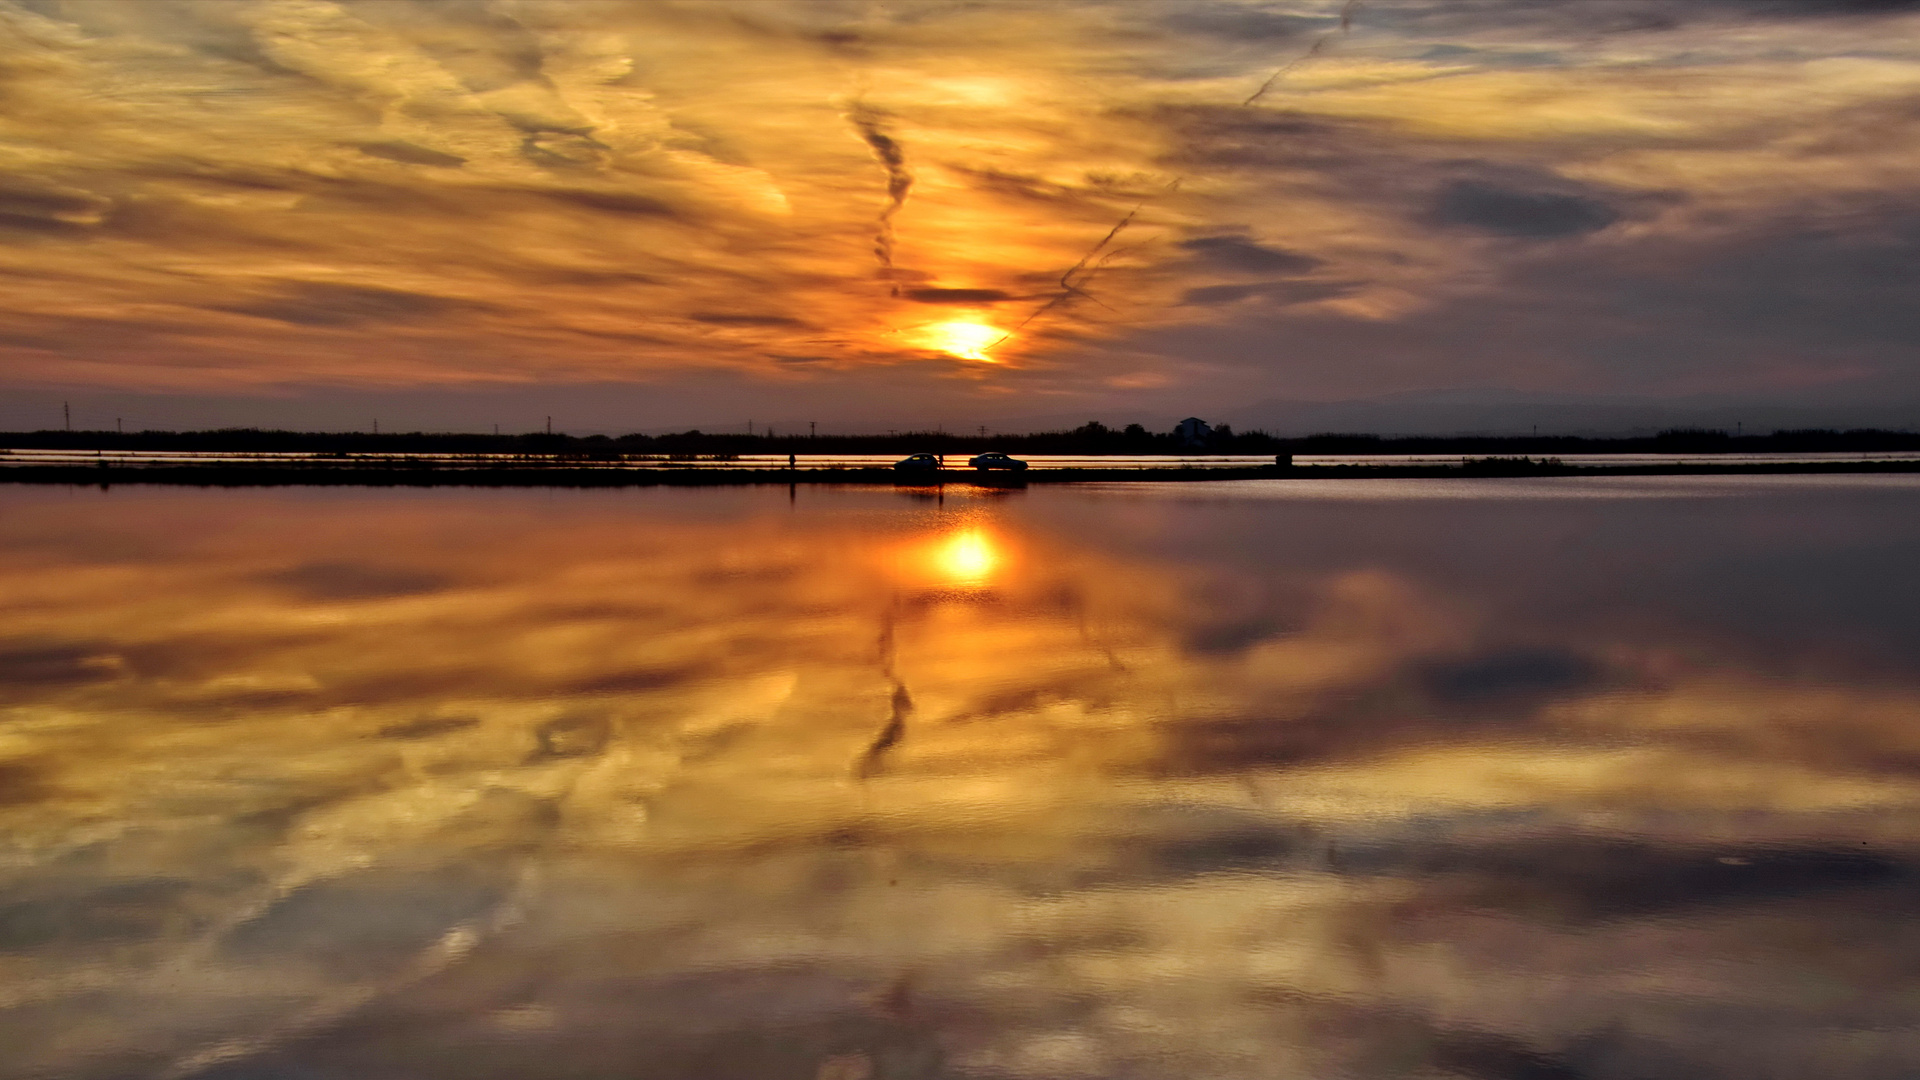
996 460
917 463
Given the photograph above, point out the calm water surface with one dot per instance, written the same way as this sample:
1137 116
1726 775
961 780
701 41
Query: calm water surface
1513 780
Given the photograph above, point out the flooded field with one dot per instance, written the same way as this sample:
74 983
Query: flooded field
1534 779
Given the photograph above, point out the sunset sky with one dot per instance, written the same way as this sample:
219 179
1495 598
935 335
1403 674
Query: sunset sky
1396 214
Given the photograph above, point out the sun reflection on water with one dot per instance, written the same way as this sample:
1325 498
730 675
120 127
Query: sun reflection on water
967 557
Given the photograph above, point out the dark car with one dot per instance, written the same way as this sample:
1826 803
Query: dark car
917 463
996 461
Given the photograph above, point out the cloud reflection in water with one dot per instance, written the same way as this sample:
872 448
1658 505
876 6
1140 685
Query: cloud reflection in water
689 784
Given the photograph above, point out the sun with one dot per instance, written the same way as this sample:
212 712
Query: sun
966 340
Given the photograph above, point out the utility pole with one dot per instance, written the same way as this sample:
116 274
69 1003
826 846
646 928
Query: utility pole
813 431
549 425
376 425
118 428
66 410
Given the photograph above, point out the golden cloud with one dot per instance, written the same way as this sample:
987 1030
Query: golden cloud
306 192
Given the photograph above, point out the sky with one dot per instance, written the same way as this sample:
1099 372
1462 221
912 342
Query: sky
1396 215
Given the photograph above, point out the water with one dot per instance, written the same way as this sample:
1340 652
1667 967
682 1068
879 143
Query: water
1503 779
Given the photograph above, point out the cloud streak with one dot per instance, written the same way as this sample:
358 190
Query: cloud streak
899 182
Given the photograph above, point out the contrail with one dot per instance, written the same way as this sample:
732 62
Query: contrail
1066 279
1346 23
867 122
1068 289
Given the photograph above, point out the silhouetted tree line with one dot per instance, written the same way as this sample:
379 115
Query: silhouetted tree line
1090 438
